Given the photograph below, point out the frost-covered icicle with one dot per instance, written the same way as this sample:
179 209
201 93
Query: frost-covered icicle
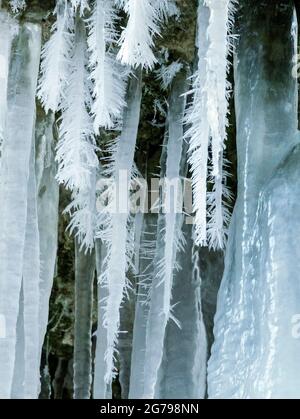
17 5
106 73
115 228
76 150
47 202
8 27
198 131
170 240
249 326
207 118
84 282
217 89
216 85
145 270
137 38
218 201
182 374
56 59
14 188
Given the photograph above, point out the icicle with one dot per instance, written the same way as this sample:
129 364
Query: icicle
125 340
13 188
198 131
106 73
217 89
137 38
31 280
218 201
26 381
145 269
8 27
84 282
182 374
216 85
47 201
56 59
115 229
167 73
76 150
170 241
102 390
207 117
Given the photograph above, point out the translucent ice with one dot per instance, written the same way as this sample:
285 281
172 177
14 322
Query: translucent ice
14 177
247 338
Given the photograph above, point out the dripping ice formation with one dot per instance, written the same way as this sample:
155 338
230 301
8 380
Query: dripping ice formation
254 354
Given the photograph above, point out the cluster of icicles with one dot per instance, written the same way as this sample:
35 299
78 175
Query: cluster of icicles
92 77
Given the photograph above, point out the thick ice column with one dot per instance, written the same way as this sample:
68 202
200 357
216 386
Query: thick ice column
14 187
266 125
273 283
182 374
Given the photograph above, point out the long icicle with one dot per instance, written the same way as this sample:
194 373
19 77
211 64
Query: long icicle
170 240
197 133
13 188
114 229
207 121
31 282
76 150
218 89
216 85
